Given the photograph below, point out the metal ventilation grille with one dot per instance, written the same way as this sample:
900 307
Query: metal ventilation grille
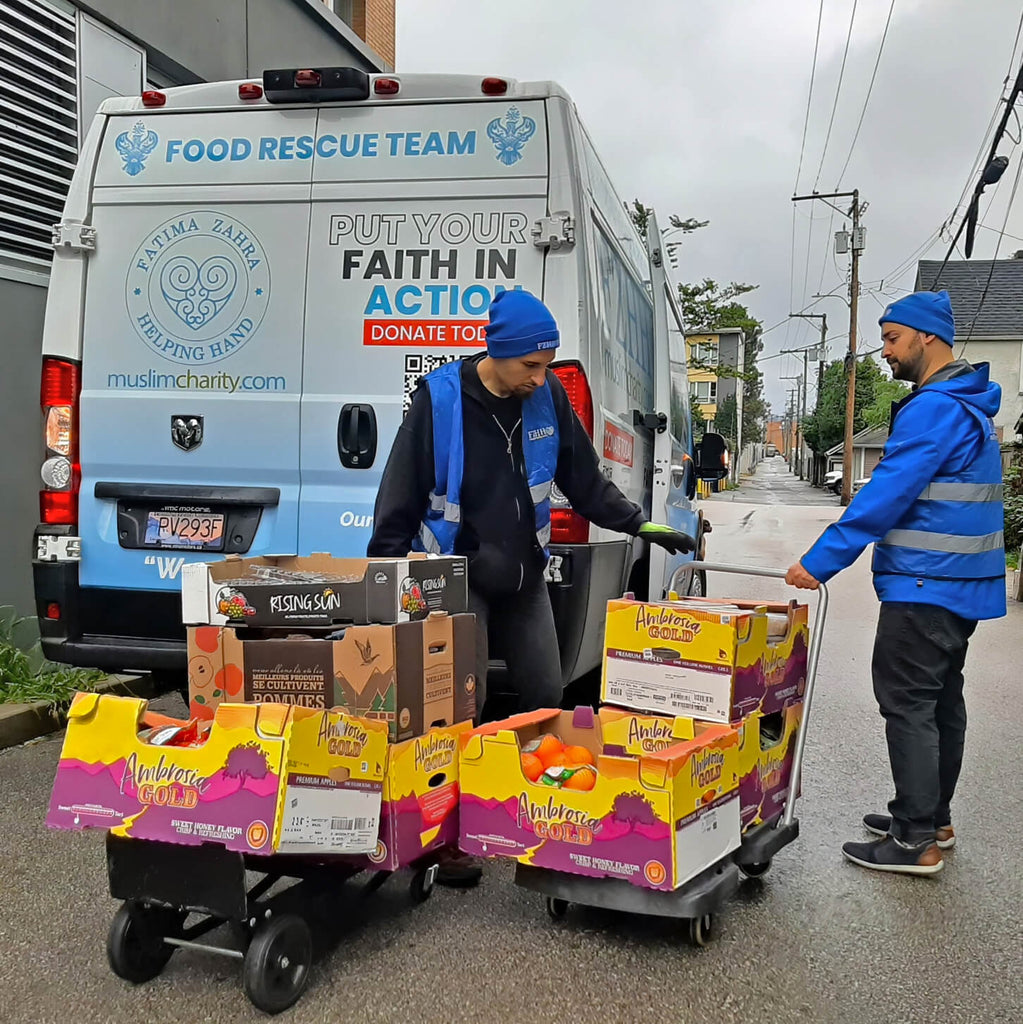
38 124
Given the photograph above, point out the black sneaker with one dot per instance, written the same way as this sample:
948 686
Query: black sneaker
889 854
879 824
459 871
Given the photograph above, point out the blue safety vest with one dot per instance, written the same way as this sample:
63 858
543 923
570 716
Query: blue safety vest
443 517
953 531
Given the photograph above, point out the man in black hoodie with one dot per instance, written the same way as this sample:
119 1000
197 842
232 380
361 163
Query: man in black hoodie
470 473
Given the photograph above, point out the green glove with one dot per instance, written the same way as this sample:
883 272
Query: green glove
669 539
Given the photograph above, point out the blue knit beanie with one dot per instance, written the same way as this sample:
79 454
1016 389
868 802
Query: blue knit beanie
928 312
520 324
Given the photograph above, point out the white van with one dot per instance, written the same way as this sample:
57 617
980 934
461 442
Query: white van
249 280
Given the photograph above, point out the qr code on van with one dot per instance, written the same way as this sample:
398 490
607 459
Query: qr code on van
418 365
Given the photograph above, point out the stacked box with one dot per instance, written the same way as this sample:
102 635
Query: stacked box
766 752
655 819
265 779
712 660
412 675
318 590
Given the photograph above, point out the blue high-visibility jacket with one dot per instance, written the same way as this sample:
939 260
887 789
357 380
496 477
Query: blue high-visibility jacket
540 439
933 506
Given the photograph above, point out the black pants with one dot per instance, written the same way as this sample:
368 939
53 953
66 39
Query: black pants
520 629
919 652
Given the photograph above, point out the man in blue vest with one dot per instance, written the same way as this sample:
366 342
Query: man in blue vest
471 472
933 509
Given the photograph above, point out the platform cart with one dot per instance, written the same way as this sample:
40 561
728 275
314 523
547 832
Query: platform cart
164 884
701 898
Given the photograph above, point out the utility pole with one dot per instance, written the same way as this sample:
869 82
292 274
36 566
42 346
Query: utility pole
822 354
794 434
854 294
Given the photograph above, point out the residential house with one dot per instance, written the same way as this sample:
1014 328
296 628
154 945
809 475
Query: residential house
867 448
987 299
60 59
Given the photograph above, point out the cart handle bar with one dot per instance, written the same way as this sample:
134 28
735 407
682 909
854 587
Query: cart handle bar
812 660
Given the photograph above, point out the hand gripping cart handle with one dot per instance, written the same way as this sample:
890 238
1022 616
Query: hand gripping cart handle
762 842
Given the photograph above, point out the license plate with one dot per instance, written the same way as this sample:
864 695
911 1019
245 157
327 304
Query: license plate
194 531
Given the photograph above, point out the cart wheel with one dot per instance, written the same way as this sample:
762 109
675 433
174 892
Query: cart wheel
135 947
700 929
755 870
421 886
556 909
276 966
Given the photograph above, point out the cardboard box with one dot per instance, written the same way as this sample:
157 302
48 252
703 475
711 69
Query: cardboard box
267 779
766 750
701 659
655 820
318 590
419 810
411 676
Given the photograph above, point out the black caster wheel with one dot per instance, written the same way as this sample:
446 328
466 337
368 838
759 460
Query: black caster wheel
755 870
556 909
135 947
700 929
275 970
423 881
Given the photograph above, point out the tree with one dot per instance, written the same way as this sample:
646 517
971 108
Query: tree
874 393
725 420
706 308
886 394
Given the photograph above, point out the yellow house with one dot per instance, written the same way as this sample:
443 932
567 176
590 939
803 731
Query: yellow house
702 351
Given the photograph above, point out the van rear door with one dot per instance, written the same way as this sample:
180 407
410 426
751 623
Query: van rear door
420 214
192 343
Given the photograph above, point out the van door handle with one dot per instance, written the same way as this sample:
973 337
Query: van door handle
357 436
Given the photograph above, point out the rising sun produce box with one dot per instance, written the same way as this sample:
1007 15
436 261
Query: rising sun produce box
264 778
714 660
654 819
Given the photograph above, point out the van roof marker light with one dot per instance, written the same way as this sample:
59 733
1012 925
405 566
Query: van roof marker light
250 91
494 86
386 86
153 98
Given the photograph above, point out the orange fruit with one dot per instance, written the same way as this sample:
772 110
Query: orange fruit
545 747
559 760
579 755
532 767
584 777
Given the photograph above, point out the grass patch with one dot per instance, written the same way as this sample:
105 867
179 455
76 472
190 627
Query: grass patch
26 676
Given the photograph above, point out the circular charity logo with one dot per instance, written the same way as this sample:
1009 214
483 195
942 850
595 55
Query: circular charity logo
405 718
198 287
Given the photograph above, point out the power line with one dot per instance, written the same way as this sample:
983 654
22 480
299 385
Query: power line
838 91
809 96
870 88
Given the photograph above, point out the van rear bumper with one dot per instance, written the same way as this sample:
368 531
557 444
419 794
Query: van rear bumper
113 630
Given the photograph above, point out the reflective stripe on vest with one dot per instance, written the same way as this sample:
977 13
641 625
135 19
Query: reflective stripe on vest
439 529
953 531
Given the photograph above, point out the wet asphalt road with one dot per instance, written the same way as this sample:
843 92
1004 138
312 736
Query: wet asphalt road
815 940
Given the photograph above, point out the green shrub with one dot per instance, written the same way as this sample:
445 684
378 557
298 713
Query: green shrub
25 674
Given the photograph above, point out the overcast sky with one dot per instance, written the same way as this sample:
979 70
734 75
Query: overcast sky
697 107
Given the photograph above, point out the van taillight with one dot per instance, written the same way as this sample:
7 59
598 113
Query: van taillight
61 471
568 527
578 389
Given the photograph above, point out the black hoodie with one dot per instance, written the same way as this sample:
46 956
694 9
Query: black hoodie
498 532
